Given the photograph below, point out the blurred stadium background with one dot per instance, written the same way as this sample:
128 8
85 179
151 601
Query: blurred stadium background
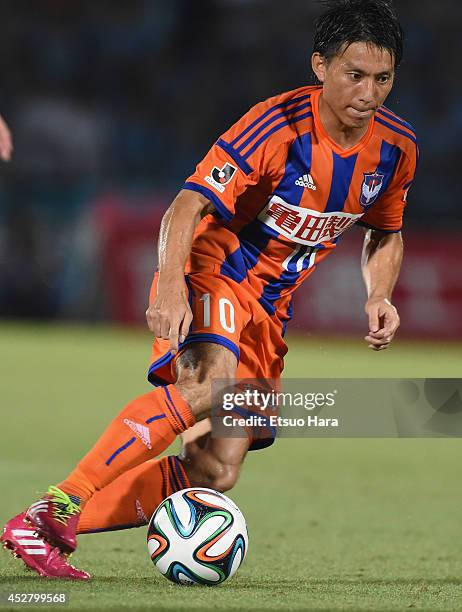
111 104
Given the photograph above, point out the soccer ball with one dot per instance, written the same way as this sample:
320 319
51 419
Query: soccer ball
197 536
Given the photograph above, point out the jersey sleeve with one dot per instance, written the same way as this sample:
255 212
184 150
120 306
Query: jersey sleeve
387 214
236 161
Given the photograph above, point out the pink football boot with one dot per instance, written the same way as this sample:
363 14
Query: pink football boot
20 537
55 517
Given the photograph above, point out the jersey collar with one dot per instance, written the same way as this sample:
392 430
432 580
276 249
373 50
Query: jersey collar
325 136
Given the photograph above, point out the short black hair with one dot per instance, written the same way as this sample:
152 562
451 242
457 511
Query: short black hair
345 22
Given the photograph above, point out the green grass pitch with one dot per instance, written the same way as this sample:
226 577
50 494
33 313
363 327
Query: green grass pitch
334 524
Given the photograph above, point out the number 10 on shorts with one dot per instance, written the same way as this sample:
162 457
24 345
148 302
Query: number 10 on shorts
226 313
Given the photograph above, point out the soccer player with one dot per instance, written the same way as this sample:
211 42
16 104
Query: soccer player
264 207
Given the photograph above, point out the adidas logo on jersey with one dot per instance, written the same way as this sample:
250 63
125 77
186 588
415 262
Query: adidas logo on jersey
306 181
141 431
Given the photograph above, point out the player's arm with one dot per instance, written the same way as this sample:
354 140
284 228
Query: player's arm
169 316
6 144
381 262
218 181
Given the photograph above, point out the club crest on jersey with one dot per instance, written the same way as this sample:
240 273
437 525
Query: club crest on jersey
219 177
370 189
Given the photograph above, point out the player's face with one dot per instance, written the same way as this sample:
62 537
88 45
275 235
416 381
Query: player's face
355 82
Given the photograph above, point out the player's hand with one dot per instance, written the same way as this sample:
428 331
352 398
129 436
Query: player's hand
169 316
383 323
6 143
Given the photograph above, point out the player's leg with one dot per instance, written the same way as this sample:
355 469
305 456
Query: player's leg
21 539
148 425
64 504
204 461
204 362
214 463
130 500
144 429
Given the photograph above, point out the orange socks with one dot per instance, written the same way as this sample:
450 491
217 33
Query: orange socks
130 500
143 430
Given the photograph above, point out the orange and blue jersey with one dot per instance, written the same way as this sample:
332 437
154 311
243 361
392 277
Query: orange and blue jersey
284 192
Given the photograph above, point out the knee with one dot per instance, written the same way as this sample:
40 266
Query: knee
197 394
223 478
206 471
197 367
